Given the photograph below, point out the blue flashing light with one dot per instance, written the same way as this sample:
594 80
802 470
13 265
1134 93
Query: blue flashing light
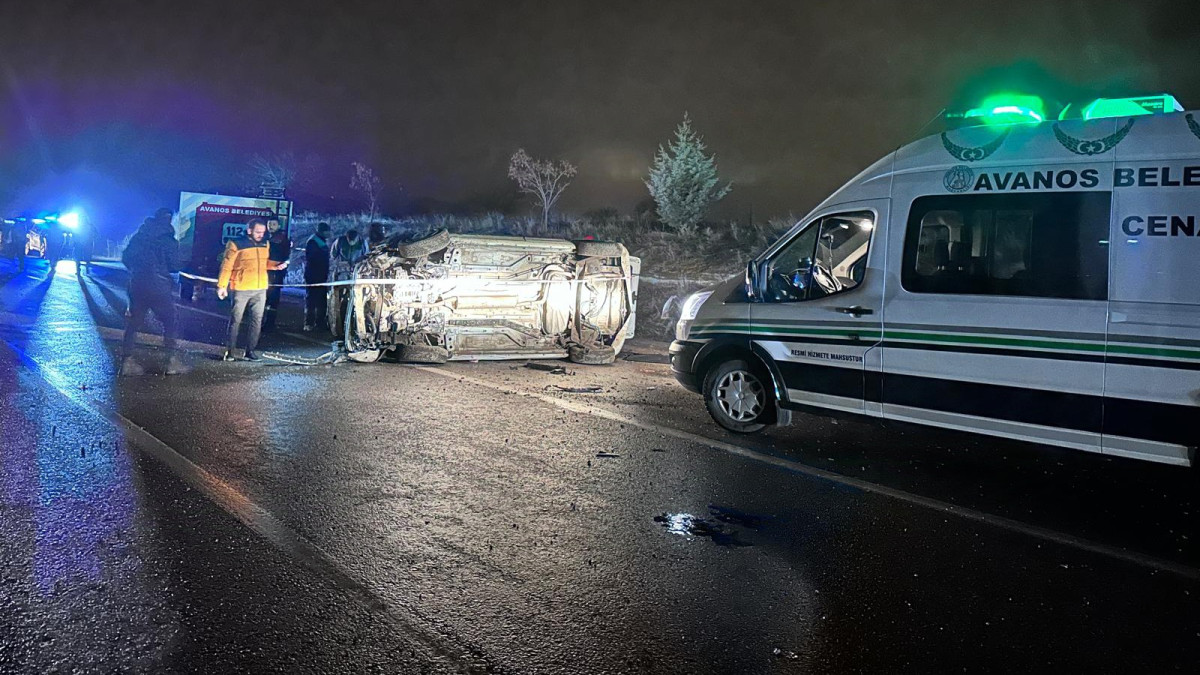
70 219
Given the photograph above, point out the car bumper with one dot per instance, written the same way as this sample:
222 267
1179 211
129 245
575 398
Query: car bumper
683 363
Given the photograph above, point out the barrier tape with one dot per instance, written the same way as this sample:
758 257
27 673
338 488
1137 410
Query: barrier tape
405 282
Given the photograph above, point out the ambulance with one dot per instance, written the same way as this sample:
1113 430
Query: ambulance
1025 275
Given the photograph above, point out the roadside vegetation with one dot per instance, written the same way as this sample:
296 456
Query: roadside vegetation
681 249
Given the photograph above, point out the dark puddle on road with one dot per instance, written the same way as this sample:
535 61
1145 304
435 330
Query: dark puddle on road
724 526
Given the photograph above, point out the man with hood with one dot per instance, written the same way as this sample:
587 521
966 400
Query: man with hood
151 256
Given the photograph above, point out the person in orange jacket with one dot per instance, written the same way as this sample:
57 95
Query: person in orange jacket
244 270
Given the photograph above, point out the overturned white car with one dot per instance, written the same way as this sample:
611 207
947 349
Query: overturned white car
468 297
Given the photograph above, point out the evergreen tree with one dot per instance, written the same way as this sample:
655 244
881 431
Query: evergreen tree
683 180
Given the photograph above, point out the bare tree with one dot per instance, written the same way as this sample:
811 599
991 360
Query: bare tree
274 173
368 184
544 179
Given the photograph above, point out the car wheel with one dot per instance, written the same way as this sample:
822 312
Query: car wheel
422 354
588 248
737 397
423 247
594 355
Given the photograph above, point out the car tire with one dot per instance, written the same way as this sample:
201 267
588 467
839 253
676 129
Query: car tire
422 354
594 355
588 248
423 247
738 397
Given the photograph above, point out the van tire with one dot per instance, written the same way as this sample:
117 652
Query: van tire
595 355
588 248
422 354
738 397
423 247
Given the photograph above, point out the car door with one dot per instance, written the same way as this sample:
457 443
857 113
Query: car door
819 311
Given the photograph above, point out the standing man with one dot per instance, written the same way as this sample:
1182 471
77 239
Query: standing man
376 234
316 271
244 270
7 241
150 257
349 248
280 251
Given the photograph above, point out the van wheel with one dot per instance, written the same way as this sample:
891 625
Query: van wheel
737 397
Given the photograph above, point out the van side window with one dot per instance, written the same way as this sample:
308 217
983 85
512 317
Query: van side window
1045 245
827 257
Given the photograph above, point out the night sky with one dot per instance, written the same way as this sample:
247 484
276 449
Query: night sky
119 105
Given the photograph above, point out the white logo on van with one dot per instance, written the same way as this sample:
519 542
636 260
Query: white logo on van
959 178
1083 146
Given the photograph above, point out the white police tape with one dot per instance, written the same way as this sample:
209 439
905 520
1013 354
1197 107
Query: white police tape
406 282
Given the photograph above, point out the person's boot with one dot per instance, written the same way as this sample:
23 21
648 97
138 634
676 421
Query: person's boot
251 356
228 356
176 366
130 367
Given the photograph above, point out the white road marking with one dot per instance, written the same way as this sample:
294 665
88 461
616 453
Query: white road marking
438 648
1045 534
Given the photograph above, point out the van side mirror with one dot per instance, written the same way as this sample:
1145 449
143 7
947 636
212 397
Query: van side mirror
752 280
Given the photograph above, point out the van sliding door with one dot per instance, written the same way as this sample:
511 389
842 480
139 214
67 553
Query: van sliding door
998 322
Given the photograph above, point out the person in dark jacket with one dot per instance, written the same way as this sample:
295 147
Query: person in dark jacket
280 251
316 271
376 234
151 256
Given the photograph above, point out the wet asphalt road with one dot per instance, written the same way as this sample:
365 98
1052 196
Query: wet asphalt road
388 518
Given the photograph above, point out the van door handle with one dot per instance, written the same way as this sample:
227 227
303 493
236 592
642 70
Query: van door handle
855 311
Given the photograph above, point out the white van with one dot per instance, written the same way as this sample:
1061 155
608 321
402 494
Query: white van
1036 281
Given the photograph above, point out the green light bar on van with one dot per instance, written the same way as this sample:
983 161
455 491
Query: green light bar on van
1127 107
1009 109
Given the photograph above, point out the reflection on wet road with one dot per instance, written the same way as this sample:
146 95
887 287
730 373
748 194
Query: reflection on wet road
478 515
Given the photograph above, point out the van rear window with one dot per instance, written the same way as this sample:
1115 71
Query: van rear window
1045 245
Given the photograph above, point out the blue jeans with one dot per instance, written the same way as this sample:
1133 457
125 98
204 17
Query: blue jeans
246 302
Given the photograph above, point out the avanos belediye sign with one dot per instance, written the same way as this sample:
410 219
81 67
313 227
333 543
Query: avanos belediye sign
1067 179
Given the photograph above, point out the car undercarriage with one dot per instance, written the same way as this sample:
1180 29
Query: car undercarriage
473 297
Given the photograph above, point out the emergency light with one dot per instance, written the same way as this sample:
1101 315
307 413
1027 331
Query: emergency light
1015 108
1009 108
70 220
1127 107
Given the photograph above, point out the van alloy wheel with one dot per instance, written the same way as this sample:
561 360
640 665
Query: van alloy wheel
741 396
737 398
